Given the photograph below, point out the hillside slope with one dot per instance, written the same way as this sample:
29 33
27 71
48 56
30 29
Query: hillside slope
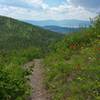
16 34
20 43
73 67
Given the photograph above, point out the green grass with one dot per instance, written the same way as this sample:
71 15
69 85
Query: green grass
72 69
14 76
20 43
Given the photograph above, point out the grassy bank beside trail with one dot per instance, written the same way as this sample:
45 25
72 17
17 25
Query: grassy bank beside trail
13 75
72 69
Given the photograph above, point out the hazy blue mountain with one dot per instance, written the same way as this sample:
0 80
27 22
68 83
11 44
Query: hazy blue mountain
61 23
61 29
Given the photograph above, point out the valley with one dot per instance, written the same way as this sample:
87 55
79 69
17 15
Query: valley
39 64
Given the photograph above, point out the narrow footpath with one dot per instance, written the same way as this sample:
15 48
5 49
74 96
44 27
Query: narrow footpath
37 79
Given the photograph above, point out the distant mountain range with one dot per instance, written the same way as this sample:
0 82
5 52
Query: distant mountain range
62 26
61 29
61 23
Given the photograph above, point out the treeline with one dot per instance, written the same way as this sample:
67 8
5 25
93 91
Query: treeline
72 69
15 34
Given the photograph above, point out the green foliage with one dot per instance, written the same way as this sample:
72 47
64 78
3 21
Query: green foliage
19 43
72 69
13 76
15 34
13 83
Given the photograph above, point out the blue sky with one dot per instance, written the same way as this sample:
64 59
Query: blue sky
50 9
54 2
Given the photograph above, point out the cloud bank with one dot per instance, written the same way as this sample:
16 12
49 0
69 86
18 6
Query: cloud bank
41 10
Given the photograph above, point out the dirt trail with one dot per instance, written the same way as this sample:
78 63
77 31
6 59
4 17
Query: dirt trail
39 92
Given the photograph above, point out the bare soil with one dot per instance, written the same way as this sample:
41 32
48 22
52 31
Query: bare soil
37 81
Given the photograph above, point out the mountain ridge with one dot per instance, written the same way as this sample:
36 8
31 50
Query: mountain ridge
18 34
61 23
64 30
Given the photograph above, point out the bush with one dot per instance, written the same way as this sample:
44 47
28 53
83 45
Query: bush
72 69
13 76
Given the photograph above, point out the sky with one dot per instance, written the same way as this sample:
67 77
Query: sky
50 9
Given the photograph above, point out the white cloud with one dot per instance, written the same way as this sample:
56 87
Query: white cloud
68 11
79 13
90 5
63 11
17 12
59 9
